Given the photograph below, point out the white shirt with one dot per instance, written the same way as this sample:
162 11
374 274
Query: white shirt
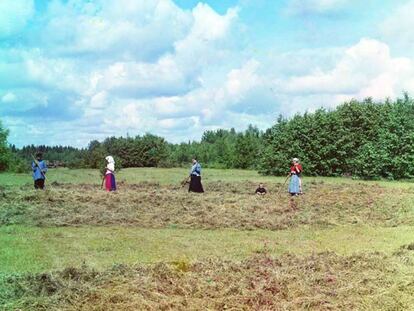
110 168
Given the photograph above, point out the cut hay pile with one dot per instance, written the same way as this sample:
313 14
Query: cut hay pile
222 206
319 282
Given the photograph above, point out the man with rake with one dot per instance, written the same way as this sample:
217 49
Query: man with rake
39 169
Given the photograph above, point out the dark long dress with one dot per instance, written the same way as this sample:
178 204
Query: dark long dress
195 184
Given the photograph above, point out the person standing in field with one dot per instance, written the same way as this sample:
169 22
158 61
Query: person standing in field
39 169
110 184
195 178
295 184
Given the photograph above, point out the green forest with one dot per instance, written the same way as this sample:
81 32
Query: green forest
364 139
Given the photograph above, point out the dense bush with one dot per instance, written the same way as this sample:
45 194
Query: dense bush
365 139
221 149
56 155
140 151
4 150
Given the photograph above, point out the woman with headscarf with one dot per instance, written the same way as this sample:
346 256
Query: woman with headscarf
195 178
295 184
110 184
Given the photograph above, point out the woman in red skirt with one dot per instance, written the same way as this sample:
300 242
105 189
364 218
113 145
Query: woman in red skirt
110 184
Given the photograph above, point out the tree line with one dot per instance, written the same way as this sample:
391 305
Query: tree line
218 149
364 139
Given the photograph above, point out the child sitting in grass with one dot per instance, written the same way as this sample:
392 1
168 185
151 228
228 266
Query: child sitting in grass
261 190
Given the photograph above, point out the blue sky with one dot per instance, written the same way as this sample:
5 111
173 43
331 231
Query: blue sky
76 70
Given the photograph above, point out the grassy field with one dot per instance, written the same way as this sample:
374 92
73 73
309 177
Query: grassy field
136 175
349 245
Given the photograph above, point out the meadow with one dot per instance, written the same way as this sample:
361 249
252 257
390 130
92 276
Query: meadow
349 245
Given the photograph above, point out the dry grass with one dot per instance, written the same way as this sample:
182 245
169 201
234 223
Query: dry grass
319 282
324 281
224 205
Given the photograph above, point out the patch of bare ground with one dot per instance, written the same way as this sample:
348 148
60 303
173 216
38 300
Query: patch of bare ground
323 281
224 205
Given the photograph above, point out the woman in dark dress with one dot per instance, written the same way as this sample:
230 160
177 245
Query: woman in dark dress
195 178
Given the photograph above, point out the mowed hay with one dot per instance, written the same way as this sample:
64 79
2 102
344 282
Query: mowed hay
222 206
319 282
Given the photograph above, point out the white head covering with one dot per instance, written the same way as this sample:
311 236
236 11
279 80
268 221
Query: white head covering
111 165
110 159
295 160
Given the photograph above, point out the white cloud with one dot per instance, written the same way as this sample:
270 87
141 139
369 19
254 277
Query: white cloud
177 124
365 70
132 30
107 68
54 73
398 28
135 80
14 15
298 7
243 79
209 25
8 98
99 100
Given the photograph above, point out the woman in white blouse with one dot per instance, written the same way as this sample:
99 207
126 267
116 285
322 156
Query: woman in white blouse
110 184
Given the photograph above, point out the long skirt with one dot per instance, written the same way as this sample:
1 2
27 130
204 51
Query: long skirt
195 184
110 184
294 185
39 184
